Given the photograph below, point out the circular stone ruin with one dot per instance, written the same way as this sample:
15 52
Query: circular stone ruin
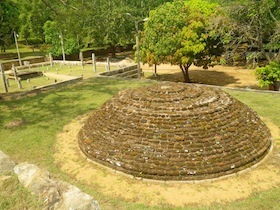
173 131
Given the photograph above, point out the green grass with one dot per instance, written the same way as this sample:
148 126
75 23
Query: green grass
16 196
27 56
260 201
25 52
26 86
86 72
266 105
45 115
77 70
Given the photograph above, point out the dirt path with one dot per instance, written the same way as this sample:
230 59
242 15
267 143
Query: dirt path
59 76
218 75
115 185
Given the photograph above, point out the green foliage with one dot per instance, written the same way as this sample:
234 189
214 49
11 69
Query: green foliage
15 196
46 114
182 33
269 74
254 25
52 33
105 24
54 36
82 23
33 15
8 22
113 27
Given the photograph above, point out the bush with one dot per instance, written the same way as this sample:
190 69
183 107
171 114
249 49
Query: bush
268 75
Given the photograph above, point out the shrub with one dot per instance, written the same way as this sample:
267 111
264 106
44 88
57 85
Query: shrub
268 75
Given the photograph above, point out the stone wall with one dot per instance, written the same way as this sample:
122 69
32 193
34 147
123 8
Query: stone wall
55 194
8 65
38 90
173 131
125 72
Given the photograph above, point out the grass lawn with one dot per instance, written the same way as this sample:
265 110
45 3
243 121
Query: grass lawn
77 70
43 116
25 52
86 72
15 196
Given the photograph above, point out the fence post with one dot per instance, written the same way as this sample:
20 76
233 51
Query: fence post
94 62
16 77
51 59
4 78
108 64
81 58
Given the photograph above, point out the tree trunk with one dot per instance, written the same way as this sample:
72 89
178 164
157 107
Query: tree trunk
113 51
185 71
2 71
260 35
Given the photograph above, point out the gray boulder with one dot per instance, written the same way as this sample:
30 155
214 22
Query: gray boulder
56 194
6 164
73 198
38 182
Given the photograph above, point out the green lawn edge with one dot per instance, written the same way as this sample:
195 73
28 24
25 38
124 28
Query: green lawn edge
43 117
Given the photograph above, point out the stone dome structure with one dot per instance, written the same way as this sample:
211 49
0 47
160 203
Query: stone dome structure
172 131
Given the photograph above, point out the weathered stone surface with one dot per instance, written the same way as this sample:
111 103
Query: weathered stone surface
38 182
55 194
73 198
172 131
6 164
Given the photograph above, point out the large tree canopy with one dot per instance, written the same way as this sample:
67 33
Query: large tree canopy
33 15
8 22
112 27
88 23
182 33
254 25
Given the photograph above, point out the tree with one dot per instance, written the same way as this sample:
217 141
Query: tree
53 36
8 22
33 15
83 23
113 27
182 33
254 25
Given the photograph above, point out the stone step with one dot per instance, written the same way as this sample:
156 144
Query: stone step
119 71
132 75
127 73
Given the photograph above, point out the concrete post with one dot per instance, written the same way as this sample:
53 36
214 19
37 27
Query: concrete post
108 64
16 77
81 59
4 78
51 59
62 47
19 59
94 62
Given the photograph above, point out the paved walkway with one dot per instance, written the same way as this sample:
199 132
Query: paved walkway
60 76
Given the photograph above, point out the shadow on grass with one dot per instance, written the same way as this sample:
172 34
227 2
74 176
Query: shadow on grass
63 104
202 77
13 55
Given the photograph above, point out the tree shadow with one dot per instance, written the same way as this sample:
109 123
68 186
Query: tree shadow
208 77
63 104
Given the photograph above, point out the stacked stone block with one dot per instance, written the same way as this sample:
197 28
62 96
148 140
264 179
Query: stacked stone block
174 131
